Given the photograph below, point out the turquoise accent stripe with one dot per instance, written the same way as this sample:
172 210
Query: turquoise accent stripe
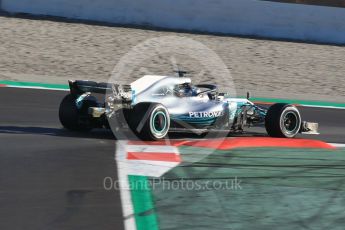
200 122
193 119
35 84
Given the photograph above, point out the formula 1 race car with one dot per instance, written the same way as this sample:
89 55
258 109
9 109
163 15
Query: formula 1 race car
153 105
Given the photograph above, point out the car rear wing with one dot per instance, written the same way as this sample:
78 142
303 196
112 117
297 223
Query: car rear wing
80 87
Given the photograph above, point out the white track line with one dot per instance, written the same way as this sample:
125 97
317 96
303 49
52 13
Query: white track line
322 106
125 193
337 145
127 167
152 148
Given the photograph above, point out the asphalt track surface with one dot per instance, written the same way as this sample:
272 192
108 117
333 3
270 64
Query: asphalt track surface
51 178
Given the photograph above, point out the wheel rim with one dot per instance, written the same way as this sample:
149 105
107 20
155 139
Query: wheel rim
290 123
159 124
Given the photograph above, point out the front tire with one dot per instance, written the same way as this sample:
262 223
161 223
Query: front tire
283 120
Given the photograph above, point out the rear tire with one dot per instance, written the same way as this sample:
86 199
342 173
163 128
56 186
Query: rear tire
73 118
149 121
283 120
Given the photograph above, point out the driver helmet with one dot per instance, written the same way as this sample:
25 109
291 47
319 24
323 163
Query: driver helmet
185 90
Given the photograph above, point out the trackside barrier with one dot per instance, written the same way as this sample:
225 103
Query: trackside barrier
241 17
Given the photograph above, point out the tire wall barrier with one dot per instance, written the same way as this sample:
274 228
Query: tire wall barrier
240 17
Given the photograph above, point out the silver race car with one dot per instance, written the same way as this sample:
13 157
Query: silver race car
154 105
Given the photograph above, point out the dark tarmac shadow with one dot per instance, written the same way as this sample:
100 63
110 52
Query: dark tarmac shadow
108 135
60 132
